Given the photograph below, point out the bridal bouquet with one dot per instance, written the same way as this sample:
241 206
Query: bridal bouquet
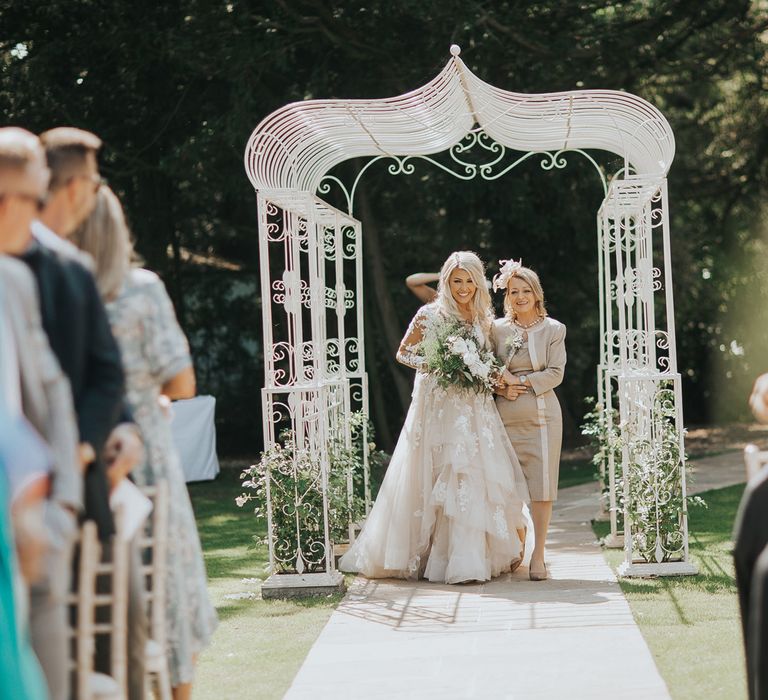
455 357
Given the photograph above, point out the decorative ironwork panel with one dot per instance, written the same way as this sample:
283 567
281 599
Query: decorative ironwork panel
653 473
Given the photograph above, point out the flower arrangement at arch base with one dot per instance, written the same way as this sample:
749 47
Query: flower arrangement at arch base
286 487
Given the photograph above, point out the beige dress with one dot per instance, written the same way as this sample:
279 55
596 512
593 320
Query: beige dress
534 422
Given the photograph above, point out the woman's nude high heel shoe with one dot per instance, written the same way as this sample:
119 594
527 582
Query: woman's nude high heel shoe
538 575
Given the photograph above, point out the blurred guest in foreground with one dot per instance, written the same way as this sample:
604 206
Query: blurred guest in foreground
39 391
750 554
758 401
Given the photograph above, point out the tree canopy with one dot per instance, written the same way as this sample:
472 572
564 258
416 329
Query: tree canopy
175 88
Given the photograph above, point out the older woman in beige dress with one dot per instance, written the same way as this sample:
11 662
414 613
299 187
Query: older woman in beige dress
532 346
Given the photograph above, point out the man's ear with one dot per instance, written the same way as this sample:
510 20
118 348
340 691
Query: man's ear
72 189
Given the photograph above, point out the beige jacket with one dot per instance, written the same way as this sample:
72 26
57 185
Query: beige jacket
43 390
546 345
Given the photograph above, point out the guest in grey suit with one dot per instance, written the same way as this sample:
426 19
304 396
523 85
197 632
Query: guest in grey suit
43 394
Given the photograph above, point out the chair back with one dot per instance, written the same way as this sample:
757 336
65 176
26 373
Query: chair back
112 594
154 545
82 600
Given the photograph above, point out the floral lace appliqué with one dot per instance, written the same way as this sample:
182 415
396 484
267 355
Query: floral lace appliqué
502 530
462 495
488 435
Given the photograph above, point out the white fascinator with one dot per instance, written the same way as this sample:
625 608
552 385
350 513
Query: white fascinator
507 269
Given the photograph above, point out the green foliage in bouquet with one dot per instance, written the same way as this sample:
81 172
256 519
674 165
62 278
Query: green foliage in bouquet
457 359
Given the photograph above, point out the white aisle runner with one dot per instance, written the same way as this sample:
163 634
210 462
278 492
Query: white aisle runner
572 637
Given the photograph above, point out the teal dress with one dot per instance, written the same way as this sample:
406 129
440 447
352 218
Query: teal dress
20 674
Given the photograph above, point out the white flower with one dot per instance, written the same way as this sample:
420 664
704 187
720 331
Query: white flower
458 346
478 368
471 358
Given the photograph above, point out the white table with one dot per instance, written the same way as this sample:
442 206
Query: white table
194 434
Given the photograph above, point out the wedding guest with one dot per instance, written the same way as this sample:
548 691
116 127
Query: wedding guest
76 321
42 393
750 556
532 346
758 400
20 673
419 283
157 364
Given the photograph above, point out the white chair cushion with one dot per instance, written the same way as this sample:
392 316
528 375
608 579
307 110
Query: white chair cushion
154 657
104 687
153 649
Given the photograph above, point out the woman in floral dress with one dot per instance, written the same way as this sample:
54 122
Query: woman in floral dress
157 365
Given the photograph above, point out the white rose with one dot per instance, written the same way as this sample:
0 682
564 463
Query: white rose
458 346
470 358
480 370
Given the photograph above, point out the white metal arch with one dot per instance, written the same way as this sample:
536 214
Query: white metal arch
295 146
311 279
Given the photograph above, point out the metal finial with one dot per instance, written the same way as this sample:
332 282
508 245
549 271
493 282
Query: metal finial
455 49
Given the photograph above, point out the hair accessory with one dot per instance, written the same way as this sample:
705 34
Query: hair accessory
507 269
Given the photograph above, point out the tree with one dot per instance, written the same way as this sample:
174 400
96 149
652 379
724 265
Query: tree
175 89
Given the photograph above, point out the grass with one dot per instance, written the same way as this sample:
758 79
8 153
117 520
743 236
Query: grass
691 623
260 644
573 473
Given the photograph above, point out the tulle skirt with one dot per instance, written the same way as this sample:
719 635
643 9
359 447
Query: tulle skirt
452 499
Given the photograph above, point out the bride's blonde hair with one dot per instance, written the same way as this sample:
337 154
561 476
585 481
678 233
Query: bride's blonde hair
482 309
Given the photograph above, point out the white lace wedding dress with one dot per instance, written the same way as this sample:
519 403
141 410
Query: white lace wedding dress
451 501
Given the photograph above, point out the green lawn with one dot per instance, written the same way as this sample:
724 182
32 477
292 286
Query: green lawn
260 644
691 623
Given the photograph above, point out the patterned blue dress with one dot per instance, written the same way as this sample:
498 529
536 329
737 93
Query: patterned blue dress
154 349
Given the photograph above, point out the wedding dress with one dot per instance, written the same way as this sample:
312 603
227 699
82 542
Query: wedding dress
452 498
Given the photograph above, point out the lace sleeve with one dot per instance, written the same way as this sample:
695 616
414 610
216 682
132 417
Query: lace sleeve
410 346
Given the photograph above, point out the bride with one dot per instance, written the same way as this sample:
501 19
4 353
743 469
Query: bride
450 506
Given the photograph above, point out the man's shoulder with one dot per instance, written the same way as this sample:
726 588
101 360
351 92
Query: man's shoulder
59 247
16 276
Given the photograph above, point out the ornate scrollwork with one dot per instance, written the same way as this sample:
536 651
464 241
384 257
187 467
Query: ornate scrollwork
281 365
656 285
352 351
349 241
460 167
329 242
275 231
332 355
291 291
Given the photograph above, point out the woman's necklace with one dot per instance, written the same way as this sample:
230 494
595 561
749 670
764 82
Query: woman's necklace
526 326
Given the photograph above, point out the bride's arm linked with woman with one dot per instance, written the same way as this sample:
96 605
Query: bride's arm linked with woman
450 508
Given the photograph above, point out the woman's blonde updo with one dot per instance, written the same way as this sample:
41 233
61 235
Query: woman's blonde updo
532 279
